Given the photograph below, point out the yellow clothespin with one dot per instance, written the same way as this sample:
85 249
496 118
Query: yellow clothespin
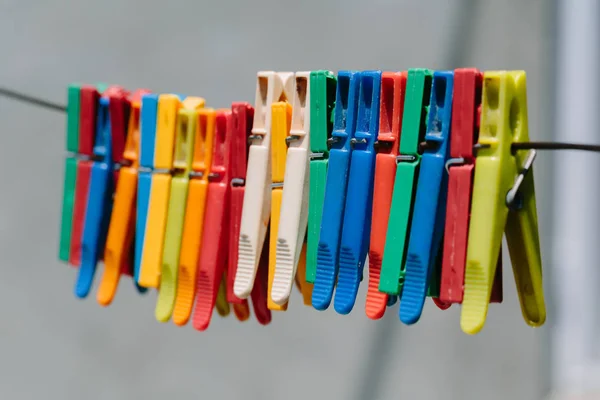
503 201
166 124
281 118
271 87
183 153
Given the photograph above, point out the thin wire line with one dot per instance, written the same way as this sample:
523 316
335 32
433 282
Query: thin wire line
14 95
36 101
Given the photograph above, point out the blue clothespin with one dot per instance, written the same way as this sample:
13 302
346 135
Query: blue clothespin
359 199
99 203
430 201
335 187
147 144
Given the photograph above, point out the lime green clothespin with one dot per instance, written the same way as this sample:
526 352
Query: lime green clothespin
322 99
416 106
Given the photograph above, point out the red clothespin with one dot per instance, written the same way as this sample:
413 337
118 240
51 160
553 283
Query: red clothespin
466 108
215 235
242 118
393 86
89 97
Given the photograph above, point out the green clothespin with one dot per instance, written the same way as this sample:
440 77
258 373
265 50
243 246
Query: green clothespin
416 105
70 171
322 99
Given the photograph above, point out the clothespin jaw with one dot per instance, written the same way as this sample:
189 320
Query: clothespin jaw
418 87
335 190
359 200
430 200
242 115
193 225
99 201
393 89
503 121
294 202
88 102
158 203
148 111
72 145
122 221
466 102
322 100
213 257
183 152
271 87
281 115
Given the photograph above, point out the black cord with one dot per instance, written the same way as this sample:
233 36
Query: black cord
14 95
11 94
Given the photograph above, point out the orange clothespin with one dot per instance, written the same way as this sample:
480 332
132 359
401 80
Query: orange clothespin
122 223
194 216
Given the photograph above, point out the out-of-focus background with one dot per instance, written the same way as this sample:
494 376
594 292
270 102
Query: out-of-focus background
53 346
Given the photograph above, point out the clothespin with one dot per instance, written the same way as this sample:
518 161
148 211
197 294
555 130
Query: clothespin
99 199
193 225
430 200
335 189
416 103
356 230
122 221
88 103
281 116
215 235
181 164
294 202
503 200
271 87
242 115
241 128
466 102
393 89
72 147
322 100
147 149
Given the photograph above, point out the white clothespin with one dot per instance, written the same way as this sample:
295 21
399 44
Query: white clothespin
270 87
294 206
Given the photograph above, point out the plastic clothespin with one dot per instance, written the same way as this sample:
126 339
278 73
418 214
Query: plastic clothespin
122 221
429 209
242 116
503 179
194 216
72 147
99 199
293 217
356 230
147 146
322 100
271 87
158 202
281 117
346 104
466 102
215 235
416 103
181 161
393 89
88 103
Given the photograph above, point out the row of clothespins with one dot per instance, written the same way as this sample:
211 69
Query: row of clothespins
213 207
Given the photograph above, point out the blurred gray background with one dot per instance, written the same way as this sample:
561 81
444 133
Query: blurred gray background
53 346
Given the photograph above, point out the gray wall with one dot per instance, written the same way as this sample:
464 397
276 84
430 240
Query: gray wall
56 347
